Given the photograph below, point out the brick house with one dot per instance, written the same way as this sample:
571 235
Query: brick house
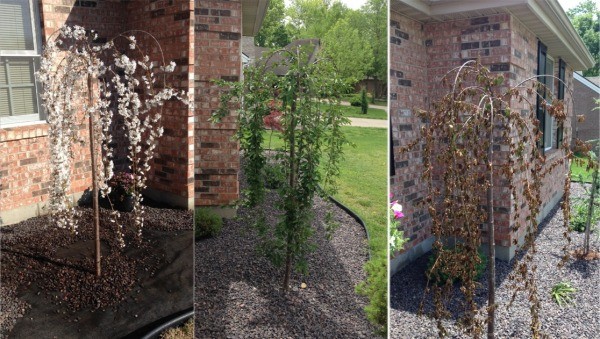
516 38
196 162
585 92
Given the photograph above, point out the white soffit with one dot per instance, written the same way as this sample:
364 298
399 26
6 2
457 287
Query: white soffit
545 18
253 14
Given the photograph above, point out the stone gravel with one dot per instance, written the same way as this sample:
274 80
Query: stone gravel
580 320
47 275
238 291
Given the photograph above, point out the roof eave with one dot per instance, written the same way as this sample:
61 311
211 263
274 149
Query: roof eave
547 12
555 19
253 14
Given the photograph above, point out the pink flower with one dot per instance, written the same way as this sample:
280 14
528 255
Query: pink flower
397 209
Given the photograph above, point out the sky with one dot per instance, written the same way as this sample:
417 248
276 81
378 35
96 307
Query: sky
354 4
567 4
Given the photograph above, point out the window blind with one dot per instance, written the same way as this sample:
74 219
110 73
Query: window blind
16 32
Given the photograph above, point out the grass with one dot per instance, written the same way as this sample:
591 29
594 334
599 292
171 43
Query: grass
372 113
579 171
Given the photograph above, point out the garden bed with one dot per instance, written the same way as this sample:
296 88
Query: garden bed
238 291
570 321
49 288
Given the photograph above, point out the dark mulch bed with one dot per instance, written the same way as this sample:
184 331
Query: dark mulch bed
571 321
48 276
238 291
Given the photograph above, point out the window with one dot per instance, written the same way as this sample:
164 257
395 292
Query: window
561 96
19 59
545 72
549 120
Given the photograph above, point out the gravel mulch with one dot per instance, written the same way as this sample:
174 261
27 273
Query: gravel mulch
49 287
238 291
581 320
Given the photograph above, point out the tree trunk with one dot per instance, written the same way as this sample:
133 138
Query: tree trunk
93 155
491 242
588 223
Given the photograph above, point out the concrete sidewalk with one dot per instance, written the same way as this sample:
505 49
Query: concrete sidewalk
360 122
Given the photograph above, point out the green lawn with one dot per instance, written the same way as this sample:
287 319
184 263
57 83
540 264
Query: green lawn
372 113
578 170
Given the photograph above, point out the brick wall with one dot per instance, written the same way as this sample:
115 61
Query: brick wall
408 93
171 23
24 166
422 54
218 56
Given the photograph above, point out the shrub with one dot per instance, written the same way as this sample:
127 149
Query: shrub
364 103
207 223
375 287
355 101
274 175
442 272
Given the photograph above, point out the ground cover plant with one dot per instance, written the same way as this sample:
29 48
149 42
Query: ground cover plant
459 165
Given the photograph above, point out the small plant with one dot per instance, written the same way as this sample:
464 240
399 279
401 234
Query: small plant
441 272
579 217
122 185
562 293
364 102
185 331
207 223
121 192
397 239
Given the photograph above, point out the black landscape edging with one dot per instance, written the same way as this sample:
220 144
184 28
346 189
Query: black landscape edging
154 329
355 217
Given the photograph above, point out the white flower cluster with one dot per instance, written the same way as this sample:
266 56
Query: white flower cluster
71 72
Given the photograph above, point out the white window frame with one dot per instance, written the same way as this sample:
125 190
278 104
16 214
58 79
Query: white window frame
34 55
550 121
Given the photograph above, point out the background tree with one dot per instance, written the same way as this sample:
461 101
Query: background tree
374 14
314 18
273 32
350 51
585 17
